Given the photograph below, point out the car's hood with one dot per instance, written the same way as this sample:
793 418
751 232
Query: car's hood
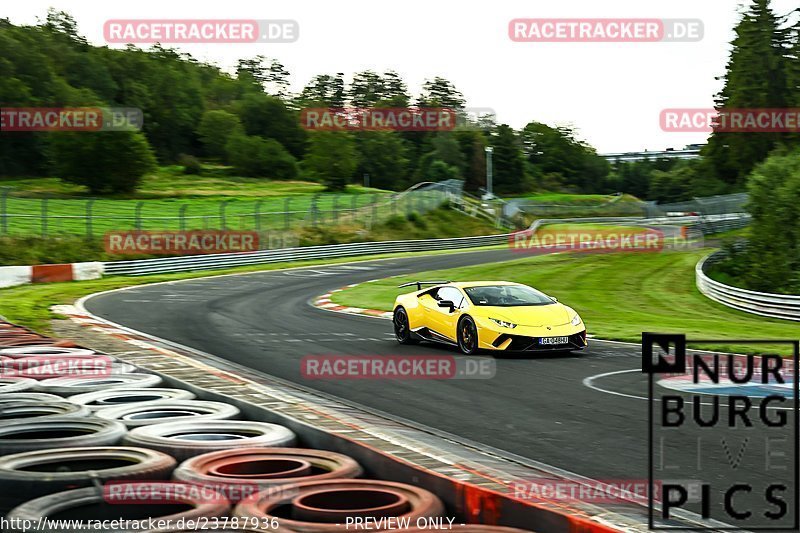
530 315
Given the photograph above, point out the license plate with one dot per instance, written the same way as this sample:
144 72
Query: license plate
554 340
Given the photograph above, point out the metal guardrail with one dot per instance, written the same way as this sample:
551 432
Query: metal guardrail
783 306
329 251
142 267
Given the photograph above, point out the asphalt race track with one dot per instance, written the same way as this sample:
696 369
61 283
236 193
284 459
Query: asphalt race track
538 407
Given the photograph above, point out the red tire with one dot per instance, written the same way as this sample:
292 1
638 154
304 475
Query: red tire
256 469
323 506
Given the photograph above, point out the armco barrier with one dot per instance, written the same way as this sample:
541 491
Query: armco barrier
783 306
17 275
331 251
141 267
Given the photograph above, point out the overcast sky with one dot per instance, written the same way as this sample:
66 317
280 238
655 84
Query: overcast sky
611 92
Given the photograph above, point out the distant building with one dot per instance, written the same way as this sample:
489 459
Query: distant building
690 151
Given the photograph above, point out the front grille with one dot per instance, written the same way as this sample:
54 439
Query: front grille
522 343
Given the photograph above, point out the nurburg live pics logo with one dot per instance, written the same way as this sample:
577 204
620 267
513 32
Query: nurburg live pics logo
729 421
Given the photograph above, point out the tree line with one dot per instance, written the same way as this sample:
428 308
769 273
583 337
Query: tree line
249 120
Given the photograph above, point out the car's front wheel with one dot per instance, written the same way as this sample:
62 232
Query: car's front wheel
467 336
402 331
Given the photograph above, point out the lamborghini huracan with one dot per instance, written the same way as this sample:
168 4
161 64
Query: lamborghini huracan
486 315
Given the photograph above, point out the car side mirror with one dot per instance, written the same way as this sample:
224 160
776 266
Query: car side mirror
447 303
555 300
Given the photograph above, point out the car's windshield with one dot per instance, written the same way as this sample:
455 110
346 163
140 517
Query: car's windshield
506 296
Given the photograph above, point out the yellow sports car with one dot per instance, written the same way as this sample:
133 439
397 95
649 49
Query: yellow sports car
487 315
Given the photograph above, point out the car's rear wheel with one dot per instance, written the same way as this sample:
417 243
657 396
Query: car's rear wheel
402 330
467 336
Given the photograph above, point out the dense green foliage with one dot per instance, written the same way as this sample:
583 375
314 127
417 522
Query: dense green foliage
770 260
200 110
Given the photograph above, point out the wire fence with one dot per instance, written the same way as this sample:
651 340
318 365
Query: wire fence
21 215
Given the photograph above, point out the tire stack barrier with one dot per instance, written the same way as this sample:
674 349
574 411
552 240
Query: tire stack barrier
67 441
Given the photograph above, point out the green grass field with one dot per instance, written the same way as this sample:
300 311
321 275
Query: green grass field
169 194
559 198
618 295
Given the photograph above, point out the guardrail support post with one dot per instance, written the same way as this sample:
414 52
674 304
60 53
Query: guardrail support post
222 207
257 214
44 217
89 232
314 210
4 192
182 216
139 206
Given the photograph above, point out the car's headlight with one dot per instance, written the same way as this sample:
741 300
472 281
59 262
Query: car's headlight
503 323
576 320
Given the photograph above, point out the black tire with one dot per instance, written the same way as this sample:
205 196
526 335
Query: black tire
25 476
16 384
26 410
69 386
89 504
402 330
58 432
183 440
126 396
467 336
137 415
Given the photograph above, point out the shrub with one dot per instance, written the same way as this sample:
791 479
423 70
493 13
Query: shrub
104 162
257 157
190 164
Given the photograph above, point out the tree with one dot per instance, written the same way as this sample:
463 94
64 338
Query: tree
382 155
365 90
507 161
566 161
260 158
773 250
441 171
473 147
267 116
216 128
672 186
323 90
332 158
755 78
441 92
104 162
268 74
